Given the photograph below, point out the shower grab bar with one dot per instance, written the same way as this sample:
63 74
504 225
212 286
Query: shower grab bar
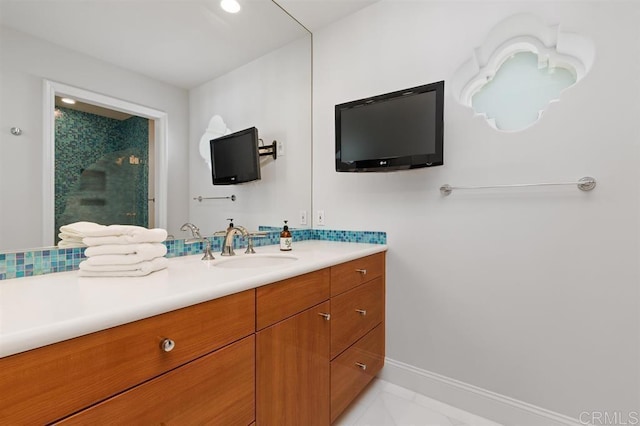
584 184
199 198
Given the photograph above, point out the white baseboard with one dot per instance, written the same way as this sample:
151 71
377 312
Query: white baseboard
493 406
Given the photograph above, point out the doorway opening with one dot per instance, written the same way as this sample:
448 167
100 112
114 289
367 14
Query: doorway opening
102 166
104 161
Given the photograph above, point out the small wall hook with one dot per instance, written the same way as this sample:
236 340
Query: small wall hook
16 131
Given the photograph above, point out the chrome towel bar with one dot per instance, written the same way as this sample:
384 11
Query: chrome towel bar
584 184
199 198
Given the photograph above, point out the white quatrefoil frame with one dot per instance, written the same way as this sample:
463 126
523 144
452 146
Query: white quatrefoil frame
521 33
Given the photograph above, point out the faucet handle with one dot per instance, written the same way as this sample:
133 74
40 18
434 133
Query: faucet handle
230 222
250 249
259 234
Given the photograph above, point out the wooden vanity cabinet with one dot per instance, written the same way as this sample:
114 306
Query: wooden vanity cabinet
46 384
295 352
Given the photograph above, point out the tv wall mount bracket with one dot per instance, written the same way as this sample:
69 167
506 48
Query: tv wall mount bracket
271 149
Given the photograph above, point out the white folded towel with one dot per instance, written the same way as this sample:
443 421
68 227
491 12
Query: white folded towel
70 243
146 250
80 229
135 270
142 235
137 234
117 259
69 237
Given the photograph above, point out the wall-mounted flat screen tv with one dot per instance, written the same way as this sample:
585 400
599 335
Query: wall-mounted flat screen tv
395 131
235 157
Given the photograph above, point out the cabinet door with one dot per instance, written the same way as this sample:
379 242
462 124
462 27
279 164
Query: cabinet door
217 389
292 383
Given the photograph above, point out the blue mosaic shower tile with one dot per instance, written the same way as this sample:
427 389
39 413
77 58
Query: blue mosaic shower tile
92 156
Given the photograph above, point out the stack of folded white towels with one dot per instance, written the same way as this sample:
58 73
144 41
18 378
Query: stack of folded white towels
117 250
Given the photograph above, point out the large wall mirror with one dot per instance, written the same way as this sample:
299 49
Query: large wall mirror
189 60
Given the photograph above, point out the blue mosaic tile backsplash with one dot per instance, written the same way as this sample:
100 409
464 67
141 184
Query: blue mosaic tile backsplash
47 261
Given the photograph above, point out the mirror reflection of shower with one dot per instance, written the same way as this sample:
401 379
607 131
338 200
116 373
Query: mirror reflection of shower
103 166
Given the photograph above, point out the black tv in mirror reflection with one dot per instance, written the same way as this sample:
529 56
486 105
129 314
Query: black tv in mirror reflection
235 158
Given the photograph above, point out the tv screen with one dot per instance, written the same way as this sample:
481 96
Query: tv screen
235 158
395 131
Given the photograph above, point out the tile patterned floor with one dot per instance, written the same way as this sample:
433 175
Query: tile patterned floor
385 404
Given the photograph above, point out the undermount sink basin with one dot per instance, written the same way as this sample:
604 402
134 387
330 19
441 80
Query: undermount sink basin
257 261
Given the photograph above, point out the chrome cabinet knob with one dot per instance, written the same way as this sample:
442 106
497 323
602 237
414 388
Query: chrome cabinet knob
325 316
362 271
361 365
362 312
167 345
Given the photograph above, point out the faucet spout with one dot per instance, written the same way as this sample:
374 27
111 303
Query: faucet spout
197 238
227 249
195 231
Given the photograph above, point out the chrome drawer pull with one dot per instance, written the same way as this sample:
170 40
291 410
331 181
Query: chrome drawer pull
362 312
325 316
362 271
167 345
361 365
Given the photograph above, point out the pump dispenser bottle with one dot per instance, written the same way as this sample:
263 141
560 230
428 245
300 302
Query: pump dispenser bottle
285 238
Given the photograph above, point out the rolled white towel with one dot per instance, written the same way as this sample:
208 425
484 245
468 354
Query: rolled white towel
146 250
142 235
135 270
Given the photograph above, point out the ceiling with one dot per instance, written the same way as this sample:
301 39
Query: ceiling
315 14
180 42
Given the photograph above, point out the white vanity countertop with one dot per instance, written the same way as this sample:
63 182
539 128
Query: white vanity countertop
37 311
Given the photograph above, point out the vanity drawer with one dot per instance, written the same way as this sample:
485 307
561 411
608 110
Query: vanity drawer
277 301
54 381
355 368
351 274
354 313
216 389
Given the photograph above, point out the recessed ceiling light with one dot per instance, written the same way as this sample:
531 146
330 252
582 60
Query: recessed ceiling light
231 6
68 101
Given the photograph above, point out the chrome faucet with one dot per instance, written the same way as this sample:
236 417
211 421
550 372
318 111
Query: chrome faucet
197 238
227 248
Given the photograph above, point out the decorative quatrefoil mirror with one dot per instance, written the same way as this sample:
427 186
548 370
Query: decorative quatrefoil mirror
522 66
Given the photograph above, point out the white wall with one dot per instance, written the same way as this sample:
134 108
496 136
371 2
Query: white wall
530 293
24 63
272 93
